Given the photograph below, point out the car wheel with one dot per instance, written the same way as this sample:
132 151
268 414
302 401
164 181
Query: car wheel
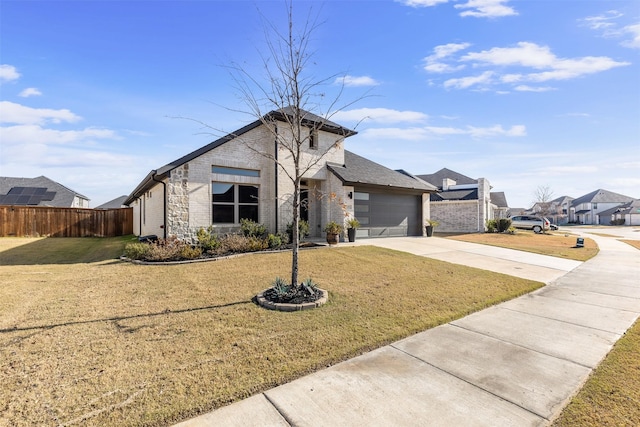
537 229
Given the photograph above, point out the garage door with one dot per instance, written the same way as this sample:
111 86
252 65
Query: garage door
388 215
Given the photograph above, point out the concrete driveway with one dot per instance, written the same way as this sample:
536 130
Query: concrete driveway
514 364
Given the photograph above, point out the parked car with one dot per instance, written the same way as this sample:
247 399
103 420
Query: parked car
530 222
553 226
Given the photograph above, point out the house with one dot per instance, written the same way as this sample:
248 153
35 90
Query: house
116 203
463 204
40 191
557 210
586 209
236 177
625 214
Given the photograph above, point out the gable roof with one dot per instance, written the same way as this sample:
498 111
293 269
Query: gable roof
39 191
360 171
602 196
437 178
283 114
116 203
499 199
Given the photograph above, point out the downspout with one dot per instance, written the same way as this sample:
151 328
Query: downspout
275 156
164 200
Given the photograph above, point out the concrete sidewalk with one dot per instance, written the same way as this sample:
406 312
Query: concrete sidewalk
515 364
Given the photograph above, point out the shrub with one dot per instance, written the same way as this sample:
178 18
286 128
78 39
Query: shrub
274 241
511 230
207 240
136 250
190 252
492 225
619 221
239 243
250 228
170 249
503 224
303 230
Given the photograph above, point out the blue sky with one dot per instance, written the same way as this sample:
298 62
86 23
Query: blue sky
525 93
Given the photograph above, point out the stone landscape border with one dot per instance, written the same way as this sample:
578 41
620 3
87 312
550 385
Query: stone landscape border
279 306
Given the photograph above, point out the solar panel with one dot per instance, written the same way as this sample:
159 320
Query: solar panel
27 196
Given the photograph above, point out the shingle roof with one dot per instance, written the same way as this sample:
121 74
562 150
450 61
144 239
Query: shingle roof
113 204
601 196
437 178
499 199
54 193
360 171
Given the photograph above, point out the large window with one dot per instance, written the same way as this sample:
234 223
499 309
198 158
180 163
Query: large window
233 202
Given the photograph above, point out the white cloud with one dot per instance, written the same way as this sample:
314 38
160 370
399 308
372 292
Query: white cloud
354 81
526 88
20 114
542 62
486 8
434 64
634 31
423 3
30 91
8 73
478 8
607 23
466 82
24 134
438 132
380 115
602 22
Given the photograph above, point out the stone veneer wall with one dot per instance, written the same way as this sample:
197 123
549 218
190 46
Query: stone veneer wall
178 203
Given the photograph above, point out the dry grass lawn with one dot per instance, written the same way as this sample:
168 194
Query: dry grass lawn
611 396
634 243
88 340
557 245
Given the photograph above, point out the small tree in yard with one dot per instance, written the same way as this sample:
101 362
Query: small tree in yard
543 197
283 103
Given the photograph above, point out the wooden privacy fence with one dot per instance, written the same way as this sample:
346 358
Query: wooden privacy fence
21 221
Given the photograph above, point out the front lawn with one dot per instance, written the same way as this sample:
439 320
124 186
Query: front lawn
556 244
88 340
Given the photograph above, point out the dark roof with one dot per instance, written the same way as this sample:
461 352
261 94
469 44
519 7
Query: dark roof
437 178
499 199
468 194
601 196
116 203
40 191
308 119
360 171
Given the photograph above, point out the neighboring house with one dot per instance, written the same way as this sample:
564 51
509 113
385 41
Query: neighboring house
625 214
40 191
556 210
586 209
463 204
116 203
229 180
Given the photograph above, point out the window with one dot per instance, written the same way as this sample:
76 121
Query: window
595 206
313 139
233 202
235 171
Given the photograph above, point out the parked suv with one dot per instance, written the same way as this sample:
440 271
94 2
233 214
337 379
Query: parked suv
530 222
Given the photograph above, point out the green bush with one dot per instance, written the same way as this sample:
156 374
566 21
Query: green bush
303 230
250 228
503 224
136 250
207 240
492 225
274 241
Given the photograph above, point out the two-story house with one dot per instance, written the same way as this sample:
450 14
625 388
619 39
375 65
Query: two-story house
586 209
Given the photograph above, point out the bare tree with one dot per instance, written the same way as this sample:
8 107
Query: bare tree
284 98
543 196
